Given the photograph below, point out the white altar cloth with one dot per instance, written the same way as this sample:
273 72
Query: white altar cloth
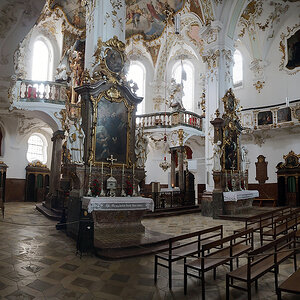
117 203
240 195
167 190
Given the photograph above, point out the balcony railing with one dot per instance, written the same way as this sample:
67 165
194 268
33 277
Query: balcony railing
273 116
170 119
42 91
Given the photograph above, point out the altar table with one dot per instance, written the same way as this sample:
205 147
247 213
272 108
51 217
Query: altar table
117 203
240 195
113 215
238 202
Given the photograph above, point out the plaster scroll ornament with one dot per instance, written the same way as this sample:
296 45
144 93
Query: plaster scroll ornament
176 94
217 153
19 62
141 148
244 159
61 73
76 142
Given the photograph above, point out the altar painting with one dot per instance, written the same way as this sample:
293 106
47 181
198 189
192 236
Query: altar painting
231 150
147 17
111 131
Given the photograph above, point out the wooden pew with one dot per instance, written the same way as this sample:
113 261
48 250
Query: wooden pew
264 220
265 259
290 285
281 226
185 245
231 247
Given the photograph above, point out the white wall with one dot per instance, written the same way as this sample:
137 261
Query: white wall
273 149
15 146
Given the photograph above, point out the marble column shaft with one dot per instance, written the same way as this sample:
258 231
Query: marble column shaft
173 166
180 153
57 139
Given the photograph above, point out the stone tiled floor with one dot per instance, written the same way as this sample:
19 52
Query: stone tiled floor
39 262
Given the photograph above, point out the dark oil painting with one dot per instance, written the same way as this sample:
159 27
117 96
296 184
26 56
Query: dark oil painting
111 131
284 115
293 46
265 118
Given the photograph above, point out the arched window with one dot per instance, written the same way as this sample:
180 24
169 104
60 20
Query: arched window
37 148
137 74
237 69
183 71
41 60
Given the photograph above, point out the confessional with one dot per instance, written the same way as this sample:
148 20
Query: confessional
37 182
288 182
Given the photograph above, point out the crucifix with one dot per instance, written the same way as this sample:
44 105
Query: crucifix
111 159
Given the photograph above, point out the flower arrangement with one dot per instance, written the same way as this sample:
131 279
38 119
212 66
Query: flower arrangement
95 188
128 188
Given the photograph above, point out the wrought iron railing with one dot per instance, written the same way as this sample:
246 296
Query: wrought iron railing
170 119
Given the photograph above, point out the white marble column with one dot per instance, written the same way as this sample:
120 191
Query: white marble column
104 19
218 56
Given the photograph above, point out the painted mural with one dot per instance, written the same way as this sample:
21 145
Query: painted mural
147 17
73 10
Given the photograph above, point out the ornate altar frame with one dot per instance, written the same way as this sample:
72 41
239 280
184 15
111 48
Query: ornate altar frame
112 95
231 125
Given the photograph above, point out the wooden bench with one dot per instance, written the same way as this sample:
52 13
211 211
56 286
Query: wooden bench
185 245
281 226
264 220
265 259
231 247
290 285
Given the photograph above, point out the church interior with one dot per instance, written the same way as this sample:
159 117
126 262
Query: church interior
149 149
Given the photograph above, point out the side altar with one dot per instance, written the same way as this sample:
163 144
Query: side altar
230 164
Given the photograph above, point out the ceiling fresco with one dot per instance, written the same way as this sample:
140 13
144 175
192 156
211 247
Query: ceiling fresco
74 11
147 17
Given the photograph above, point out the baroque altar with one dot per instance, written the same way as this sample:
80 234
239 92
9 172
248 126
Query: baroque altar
230 164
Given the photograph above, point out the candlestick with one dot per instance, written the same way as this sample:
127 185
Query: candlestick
123 170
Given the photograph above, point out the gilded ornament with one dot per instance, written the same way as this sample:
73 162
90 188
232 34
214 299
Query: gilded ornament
113 92
259 85
37 164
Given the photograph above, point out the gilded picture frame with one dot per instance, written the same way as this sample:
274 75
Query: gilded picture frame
112 118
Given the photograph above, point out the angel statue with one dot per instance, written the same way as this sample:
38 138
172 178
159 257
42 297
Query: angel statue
61 73
141 148
176 94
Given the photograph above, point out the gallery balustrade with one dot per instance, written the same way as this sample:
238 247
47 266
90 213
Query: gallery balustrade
170 119
41 91
273 116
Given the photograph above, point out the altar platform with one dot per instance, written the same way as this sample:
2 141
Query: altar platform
118 230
